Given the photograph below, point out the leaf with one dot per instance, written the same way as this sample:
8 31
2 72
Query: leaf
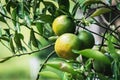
7 32
64 5
10 4
118 6
20 10
50 6
75 8
49 75
111 48
39 26
15 19
48 29
12 46
4 38
0 32
27 19
46 18
90 53
2 19
14 16
2 9
100 11
33 39
62 66
17 40
90 2
53 38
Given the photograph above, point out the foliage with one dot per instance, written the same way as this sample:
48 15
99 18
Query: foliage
37 17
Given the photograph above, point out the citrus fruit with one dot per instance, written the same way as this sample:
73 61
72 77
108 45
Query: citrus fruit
101 67
65 44
86 38
63 24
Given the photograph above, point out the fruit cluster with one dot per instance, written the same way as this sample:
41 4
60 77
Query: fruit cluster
64 27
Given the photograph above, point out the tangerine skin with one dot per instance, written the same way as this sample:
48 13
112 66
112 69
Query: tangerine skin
65 44
63 24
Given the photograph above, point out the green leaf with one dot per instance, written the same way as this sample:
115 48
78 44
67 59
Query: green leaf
118 6
17 40
111 48
2 9
100 11
12 46
27 19
39 26
33 39
75 8
50 6
46 18
15 19
10 4
49 75
4 38
7 32
2 19
20 10
64 5
48 29
90 53
0 32
14 16
62 66
90 2
53 38
116 69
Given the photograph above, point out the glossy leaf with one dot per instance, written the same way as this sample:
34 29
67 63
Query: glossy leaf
27 19
100 11
20 10
63 66
14 16
49 75
53 38
90 53
33 39
90 2
2 9
75 8
12 46
39 26
46 18
4 38
48 30
111 48
18 40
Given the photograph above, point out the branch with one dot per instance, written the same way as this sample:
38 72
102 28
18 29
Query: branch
42 66
28 53
24 25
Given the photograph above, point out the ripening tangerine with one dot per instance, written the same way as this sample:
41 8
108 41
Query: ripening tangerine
65 44
63 24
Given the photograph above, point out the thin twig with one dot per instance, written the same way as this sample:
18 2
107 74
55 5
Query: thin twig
28 53
42 66
102 43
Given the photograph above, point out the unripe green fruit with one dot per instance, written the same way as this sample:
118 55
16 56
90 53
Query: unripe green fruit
87 39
